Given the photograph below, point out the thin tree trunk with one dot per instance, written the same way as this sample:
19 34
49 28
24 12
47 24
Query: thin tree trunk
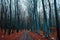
2 11
10 19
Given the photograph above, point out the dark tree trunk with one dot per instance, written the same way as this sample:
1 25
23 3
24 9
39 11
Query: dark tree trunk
2 11
49 13
34 15
57 21
45 20
10 26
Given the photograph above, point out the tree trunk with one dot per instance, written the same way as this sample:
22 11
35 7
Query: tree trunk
57 21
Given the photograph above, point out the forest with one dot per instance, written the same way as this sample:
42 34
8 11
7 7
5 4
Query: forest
34 15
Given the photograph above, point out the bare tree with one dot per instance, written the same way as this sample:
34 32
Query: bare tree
2 12
45 19
57 21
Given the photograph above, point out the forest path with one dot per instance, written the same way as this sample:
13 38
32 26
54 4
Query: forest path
26 36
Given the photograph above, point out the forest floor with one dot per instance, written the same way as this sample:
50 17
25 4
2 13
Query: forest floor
24 35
